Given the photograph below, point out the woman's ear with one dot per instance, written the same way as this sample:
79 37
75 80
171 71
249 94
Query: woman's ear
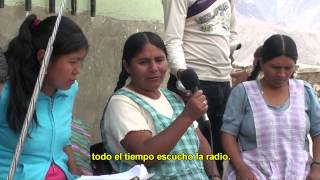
126 66
40 55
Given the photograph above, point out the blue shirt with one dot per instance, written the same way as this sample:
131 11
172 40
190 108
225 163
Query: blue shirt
46 140
238 116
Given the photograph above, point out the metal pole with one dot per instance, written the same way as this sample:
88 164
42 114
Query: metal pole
34 97
74 7
93 8
1 3
27 5
52 6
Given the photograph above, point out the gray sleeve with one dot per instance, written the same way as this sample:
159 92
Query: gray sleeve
175 13
234 111
233 22
313 109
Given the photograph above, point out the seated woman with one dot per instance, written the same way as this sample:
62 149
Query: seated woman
46 153
144 119
266 122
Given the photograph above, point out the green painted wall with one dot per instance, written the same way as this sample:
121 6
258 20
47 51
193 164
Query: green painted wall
145 10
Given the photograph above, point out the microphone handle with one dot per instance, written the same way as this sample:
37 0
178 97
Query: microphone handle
204 116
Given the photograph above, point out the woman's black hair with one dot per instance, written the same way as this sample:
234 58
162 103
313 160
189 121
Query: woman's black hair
132 47
275 46
23 65
256 64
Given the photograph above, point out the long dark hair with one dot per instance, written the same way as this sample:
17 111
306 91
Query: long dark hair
23 65
132 47
275 46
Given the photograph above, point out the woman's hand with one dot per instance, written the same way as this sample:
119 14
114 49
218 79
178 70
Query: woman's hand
196 106
314 173
245 174
216 178
239 77
74 169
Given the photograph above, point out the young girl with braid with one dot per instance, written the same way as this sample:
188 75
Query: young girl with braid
46 151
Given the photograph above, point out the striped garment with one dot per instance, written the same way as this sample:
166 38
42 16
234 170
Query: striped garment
80 141
280 137
188 144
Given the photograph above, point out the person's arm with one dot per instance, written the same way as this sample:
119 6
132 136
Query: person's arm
231 123
233 33
175 14
314 173
233 22
239 77
210 166
230 146
71 161
314 116
142 142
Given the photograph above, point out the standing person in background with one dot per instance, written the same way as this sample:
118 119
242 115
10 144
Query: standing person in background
143 119
3 69
199 34
266 122
46 153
